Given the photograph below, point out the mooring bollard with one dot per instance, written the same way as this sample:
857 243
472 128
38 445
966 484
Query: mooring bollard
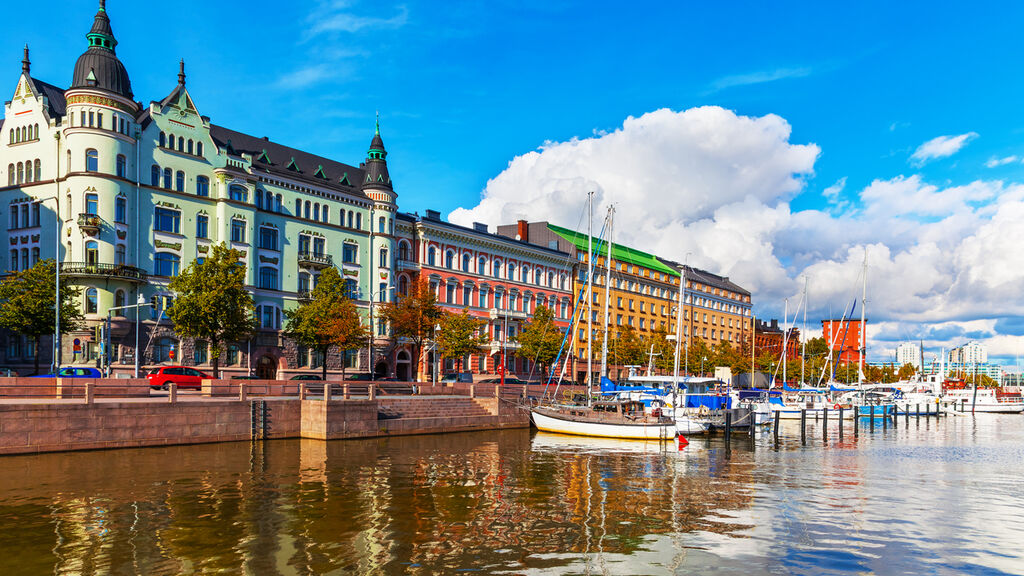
918 411
172 392
872 424
472 390
728 425
840 423
803 426
90 392
346 391
242 391
302 390
885 417
856 420
327 391
371 389
906 414
775 427
824 424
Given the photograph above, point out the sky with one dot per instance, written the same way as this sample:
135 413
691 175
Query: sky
773 143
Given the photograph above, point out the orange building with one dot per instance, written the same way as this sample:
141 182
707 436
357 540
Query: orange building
768 337
844 338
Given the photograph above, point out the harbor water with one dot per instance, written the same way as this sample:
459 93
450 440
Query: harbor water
932 496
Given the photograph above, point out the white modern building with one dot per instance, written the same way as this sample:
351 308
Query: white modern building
909 353
968 354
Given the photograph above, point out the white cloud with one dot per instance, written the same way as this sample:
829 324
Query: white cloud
993 162
941 147
338 18
759 77
718 185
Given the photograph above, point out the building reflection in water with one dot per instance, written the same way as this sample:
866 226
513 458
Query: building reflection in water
488 501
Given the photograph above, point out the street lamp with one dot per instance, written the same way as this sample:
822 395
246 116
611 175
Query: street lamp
437 328
702 360
141 302
55 361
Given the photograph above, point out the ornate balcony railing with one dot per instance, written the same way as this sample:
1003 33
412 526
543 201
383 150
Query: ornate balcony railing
496 313
89 223
85 269
314 260
305 295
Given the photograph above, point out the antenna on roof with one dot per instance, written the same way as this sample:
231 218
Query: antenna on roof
181 72
25 63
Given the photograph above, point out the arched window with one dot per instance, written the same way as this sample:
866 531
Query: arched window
381 226
524 275
269 202
10 174
154 175
21 172
163 140
37 131
91 301
403 285
538 275
11 132
277 204
268 277
119 301
316 211
167 264
181 144
199 148
511 271
551 279
449 260
168 175
91 161
170 141
120 208
179 181
466 259
259 199
383 257
39 172
359 221
122 166
327 215
119 255
496 268
432 256
189 149
350 216
202 186
92 253
298 208
481 265
307 210
238 193
28 172
403 250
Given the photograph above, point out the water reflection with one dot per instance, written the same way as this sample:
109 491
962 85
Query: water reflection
927 496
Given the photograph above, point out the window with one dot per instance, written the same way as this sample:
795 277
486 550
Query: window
202 186
450 293
403 285
91 301
119 301
154 175
483 297
351 288
189 147
202 226
199 148
383 258
13 264
306 212
28 171
99 119
349 253
179 181
92 160
238 193
350 214
298 207
163 349
316 211
24 215
511 271
381 226
122 166
268 238
10 175
259 200
92 253
199 353
163 140
167 178
168 220
232 355
268 278
120 207
237 230
181 144
481 265
119 253
359 221
304 284
467 295
167 264
431 256
35 255
449 260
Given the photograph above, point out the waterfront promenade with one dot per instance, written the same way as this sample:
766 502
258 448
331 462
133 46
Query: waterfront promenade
51 415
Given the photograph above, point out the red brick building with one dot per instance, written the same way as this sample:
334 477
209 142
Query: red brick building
768 337
844 338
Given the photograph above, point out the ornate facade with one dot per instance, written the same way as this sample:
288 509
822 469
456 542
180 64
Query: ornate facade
126 195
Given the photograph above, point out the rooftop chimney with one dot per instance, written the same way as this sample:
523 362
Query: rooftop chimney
480 227
433 215
523 230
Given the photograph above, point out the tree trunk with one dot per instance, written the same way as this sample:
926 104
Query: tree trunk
323 366
214 345
38 338
419 358
344 360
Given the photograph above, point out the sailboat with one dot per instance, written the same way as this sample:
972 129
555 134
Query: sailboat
615 417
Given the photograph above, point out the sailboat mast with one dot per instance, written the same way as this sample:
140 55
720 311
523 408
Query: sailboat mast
785 340
590 299
863 320
803 336
607 292
679 335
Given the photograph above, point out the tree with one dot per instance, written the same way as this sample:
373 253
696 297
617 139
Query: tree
27 301
413 316
626 348
211 302
540 340
460 335
906 371
328 319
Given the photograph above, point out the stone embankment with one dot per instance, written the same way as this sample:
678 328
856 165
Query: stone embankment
49 415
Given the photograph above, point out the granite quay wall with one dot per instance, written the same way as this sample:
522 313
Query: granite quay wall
89 421
22 387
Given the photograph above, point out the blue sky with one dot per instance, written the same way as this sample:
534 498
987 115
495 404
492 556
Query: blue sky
465 89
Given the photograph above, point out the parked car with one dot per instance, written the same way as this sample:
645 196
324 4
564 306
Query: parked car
306 377
508 380
8 372
458 377
360 377
244 378
183 376
74 372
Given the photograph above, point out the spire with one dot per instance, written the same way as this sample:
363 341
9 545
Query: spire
102 35
181 72
377 132
376 165
26 65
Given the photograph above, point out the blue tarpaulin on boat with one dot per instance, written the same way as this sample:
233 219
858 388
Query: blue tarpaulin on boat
711 401
609 387
776 400
834 389
809 390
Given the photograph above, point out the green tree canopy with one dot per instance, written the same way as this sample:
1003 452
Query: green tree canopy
27 304
541 338
211 302
328 319
460 335
413 316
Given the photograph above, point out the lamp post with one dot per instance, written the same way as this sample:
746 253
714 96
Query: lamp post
106 345
437 328
702 360
55 361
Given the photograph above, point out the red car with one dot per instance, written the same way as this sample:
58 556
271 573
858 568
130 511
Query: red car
183 376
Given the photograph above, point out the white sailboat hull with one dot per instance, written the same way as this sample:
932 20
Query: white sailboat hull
552 423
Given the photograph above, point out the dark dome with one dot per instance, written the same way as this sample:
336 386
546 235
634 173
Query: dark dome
108 73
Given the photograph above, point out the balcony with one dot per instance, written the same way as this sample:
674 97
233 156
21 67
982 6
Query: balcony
90 223
496 345
305 295
510 314
315 260
90 270
406 264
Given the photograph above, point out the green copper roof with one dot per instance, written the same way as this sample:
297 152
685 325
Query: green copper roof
619 252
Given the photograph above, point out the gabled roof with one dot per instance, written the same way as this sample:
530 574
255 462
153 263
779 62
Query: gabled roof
54 97
619 252
281 157
709 279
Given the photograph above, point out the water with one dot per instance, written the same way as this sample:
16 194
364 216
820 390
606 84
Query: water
932 498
